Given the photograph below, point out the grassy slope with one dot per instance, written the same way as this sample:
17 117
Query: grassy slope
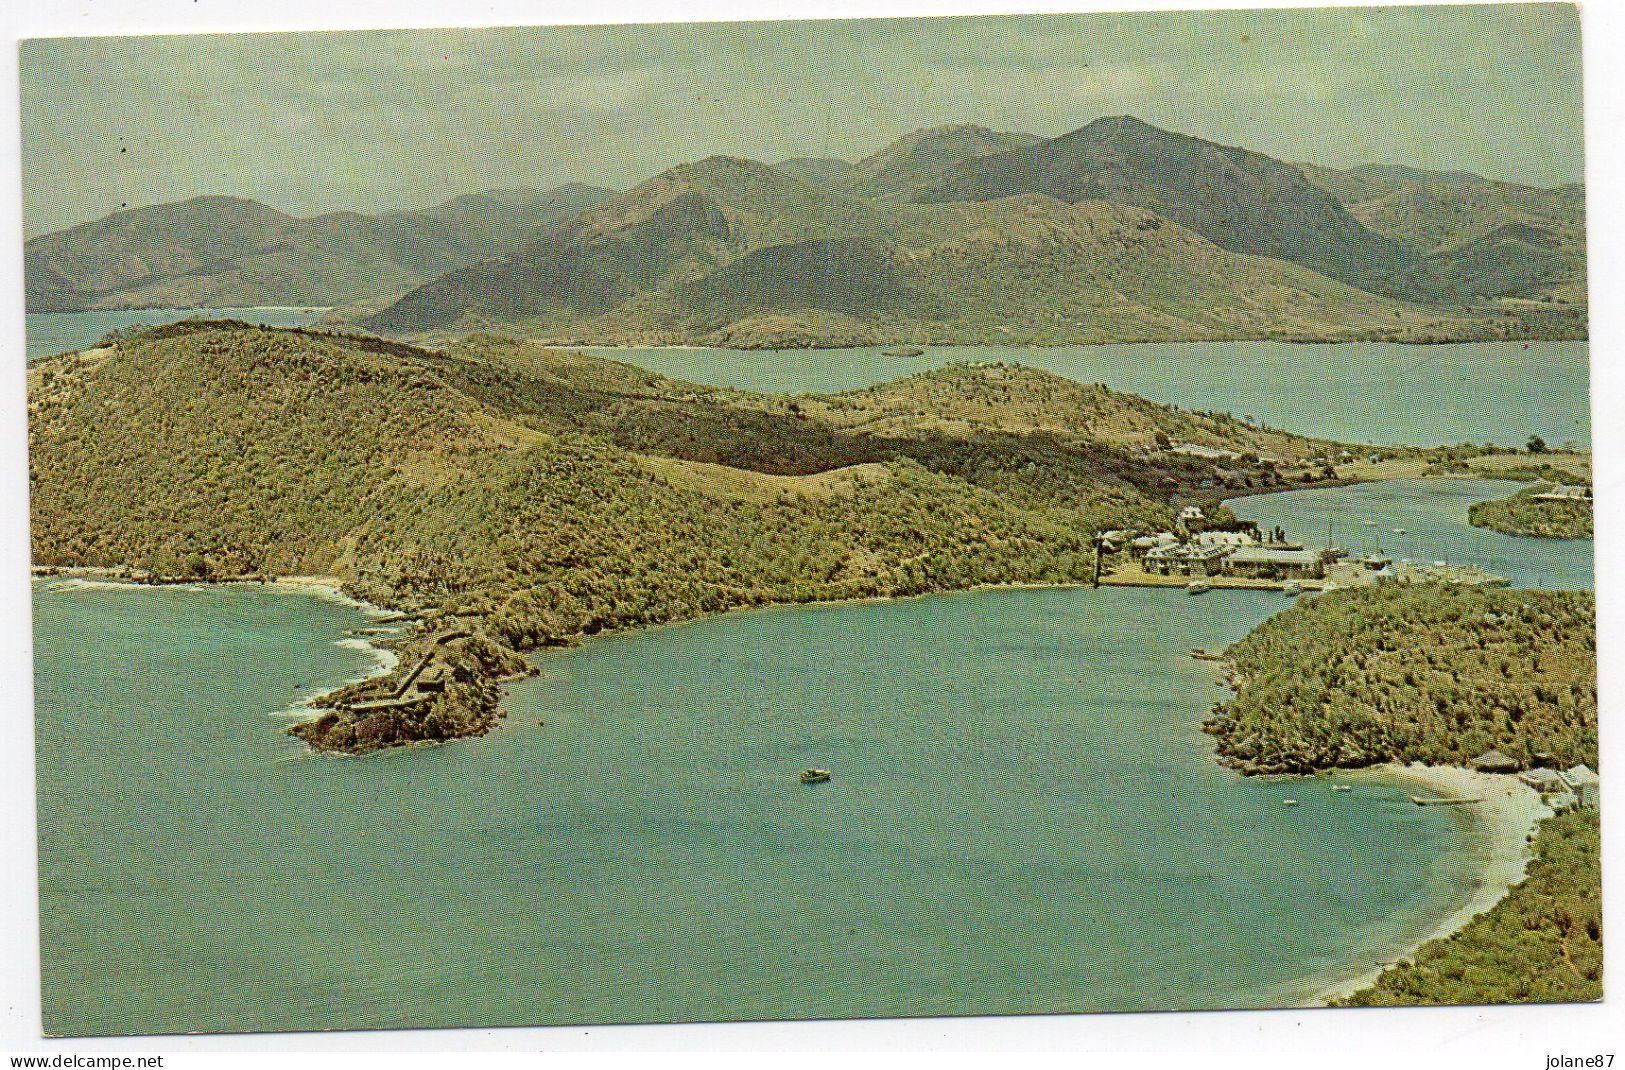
563 495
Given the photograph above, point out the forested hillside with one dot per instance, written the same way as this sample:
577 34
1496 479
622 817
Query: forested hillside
1429 673
548 495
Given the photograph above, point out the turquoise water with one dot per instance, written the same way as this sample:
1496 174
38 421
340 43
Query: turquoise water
60 332
1497 392
1025 817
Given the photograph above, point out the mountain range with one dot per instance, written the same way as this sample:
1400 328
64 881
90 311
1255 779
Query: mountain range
1118 231
226 251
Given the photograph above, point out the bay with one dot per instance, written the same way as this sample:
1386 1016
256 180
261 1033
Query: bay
1024 817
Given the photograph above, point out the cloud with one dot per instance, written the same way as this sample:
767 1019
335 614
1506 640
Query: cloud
383 117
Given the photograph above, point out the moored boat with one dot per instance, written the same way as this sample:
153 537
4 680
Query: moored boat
814 776
1198 587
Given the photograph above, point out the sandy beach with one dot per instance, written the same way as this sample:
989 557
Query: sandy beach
1508 814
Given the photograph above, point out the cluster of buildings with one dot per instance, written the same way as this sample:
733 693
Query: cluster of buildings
1565 492
1561 789
1243 554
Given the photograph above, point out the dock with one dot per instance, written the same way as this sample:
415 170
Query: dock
1132 576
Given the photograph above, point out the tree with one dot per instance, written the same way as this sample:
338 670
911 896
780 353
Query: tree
1537 444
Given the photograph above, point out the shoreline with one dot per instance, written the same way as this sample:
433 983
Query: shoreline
1505 821
324 588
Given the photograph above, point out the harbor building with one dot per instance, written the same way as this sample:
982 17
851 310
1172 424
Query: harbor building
1565 492
1186 559
1270 563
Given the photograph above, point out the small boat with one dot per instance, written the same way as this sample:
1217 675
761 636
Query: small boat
814 776
1289 802
1341 787
1399 531
1198 587
1208 655
1292 587
902 351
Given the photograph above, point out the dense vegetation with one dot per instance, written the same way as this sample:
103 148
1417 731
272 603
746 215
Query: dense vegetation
1428 673
1525 514
1541 944
546 496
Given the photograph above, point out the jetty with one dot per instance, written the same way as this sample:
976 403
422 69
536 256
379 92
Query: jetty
1419 801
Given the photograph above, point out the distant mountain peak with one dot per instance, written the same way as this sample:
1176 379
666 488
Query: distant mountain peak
924 156
1124 122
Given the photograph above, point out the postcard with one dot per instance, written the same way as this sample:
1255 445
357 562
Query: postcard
803 520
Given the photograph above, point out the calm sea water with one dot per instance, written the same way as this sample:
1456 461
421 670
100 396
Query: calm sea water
60 332
1424 520
1498 392
1025 816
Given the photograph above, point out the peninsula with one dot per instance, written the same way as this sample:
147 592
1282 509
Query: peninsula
510 496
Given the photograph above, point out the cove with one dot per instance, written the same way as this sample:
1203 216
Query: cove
1024 817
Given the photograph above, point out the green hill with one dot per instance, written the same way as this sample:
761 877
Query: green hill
537 496
1429 673
225 251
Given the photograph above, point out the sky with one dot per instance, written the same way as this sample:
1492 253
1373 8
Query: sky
368 121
